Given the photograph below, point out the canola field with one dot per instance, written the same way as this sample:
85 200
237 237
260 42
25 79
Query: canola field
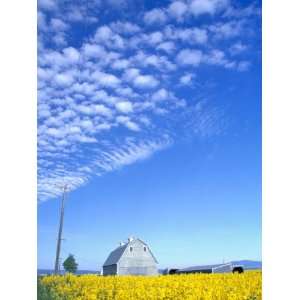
246 286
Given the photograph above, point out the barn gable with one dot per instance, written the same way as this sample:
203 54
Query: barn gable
137 245
135 257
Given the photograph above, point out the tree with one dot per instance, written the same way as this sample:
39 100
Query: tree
70 264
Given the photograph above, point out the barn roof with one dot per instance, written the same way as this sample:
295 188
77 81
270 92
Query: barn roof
200 268
116 254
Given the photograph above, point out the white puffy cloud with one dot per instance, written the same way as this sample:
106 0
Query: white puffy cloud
225 30
45 74
44 110
155 38
93 51
105 79
132 126
71 54
168 47
155 16
126 91
75 15
126 121
145 81
131 73
152 60
191 35
55 132
237 48
47 4
58 60
103 126
199 7
177 10
103 110
84 138
180 10
189 57
58 25
64 79
160 95
125 27
59 39
85 109
124 107
243 66
186 79
120 64
99 95
105 35
87 124
74 129
218 57
242 12
83 88
160 62
67 114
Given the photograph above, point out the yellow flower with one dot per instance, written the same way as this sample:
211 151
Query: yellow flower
245 286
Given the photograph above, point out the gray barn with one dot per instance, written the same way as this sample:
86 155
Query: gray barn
131 258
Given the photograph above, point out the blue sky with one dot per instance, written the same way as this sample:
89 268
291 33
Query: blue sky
151 112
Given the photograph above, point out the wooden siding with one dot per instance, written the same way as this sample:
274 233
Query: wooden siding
135 259
138 271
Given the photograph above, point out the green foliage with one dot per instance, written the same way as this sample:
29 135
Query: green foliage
44 292
70 264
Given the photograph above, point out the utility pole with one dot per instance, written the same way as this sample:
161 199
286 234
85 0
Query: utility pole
59 239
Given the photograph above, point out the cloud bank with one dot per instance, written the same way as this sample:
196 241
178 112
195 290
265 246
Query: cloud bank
108 90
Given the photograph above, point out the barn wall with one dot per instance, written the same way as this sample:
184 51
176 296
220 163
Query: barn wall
110 270
137 262
138 270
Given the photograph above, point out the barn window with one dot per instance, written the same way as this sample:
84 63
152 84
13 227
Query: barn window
145 249
130 249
